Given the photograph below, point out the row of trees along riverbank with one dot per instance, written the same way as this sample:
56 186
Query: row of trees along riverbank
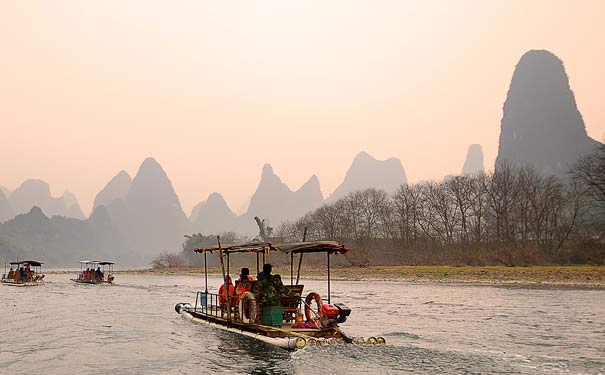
512 216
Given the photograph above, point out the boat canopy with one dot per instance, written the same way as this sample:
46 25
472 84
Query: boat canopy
331 247
99 262
34 263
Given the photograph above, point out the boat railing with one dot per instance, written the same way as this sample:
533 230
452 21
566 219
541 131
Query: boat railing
207 303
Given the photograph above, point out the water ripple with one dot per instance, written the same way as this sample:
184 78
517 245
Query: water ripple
131 328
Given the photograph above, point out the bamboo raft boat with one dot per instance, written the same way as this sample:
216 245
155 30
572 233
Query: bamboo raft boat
26 273
282 325
103 274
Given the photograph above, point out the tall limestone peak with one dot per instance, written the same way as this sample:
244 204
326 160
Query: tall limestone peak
270 196
154 210
116 188
213 216
367 172
151 185
6 211
473 164
36 193
541 124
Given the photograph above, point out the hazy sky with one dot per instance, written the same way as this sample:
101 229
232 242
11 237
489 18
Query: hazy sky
213 90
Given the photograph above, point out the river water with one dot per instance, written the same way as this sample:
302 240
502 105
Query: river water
132 328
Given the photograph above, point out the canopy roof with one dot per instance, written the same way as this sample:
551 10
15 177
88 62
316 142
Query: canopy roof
331 247
34 263
99 262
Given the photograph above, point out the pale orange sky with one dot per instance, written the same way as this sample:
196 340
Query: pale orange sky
214 90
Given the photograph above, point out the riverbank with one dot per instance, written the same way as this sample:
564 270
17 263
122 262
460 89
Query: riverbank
583 276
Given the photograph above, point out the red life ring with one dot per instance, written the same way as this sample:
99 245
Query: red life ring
310 297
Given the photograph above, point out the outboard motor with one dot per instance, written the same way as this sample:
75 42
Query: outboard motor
343 312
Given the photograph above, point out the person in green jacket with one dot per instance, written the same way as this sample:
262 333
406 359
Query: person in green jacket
270 288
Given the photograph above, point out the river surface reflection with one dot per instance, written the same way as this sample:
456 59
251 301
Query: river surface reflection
132 328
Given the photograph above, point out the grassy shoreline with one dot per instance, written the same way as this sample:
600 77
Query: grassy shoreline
583 276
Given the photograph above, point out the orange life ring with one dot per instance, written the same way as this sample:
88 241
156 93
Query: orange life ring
310 297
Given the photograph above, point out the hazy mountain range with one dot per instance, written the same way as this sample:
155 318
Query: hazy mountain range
135 219
141 217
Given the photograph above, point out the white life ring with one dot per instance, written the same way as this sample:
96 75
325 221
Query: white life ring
243 312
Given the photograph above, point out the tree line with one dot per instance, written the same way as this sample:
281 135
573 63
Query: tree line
511 216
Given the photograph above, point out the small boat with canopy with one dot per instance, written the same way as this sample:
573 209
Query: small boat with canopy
23 273
281 324
95 272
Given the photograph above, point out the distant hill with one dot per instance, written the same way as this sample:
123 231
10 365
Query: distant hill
37 193
61 241
116 188
5 191
73 207
213 216
6 211
473 163
273 200
541 125
367 172
133 219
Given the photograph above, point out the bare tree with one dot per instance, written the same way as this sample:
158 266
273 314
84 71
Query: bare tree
590 171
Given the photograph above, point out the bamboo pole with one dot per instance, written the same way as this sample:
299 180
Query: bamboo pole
300 258
206 272
328 277
220 252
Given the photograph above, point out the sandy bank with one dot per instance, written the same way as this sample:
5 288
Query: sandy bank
584 276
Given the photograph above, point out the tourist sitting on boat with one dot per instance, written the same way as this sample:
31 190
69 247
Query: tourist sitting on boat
99 274
29 274
21 274
11 274
222 294
271 288
244 284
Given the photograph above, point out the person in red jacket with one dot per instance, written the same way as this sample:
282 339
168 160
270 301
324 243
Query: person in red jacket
244 284
222 294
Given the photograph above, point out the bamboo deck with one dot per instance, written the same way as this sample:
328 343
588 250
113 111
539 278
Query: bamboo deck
285 330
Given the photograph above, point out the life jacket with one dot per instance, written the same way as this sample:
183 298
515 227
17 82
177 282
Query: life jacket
243 286
222 295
